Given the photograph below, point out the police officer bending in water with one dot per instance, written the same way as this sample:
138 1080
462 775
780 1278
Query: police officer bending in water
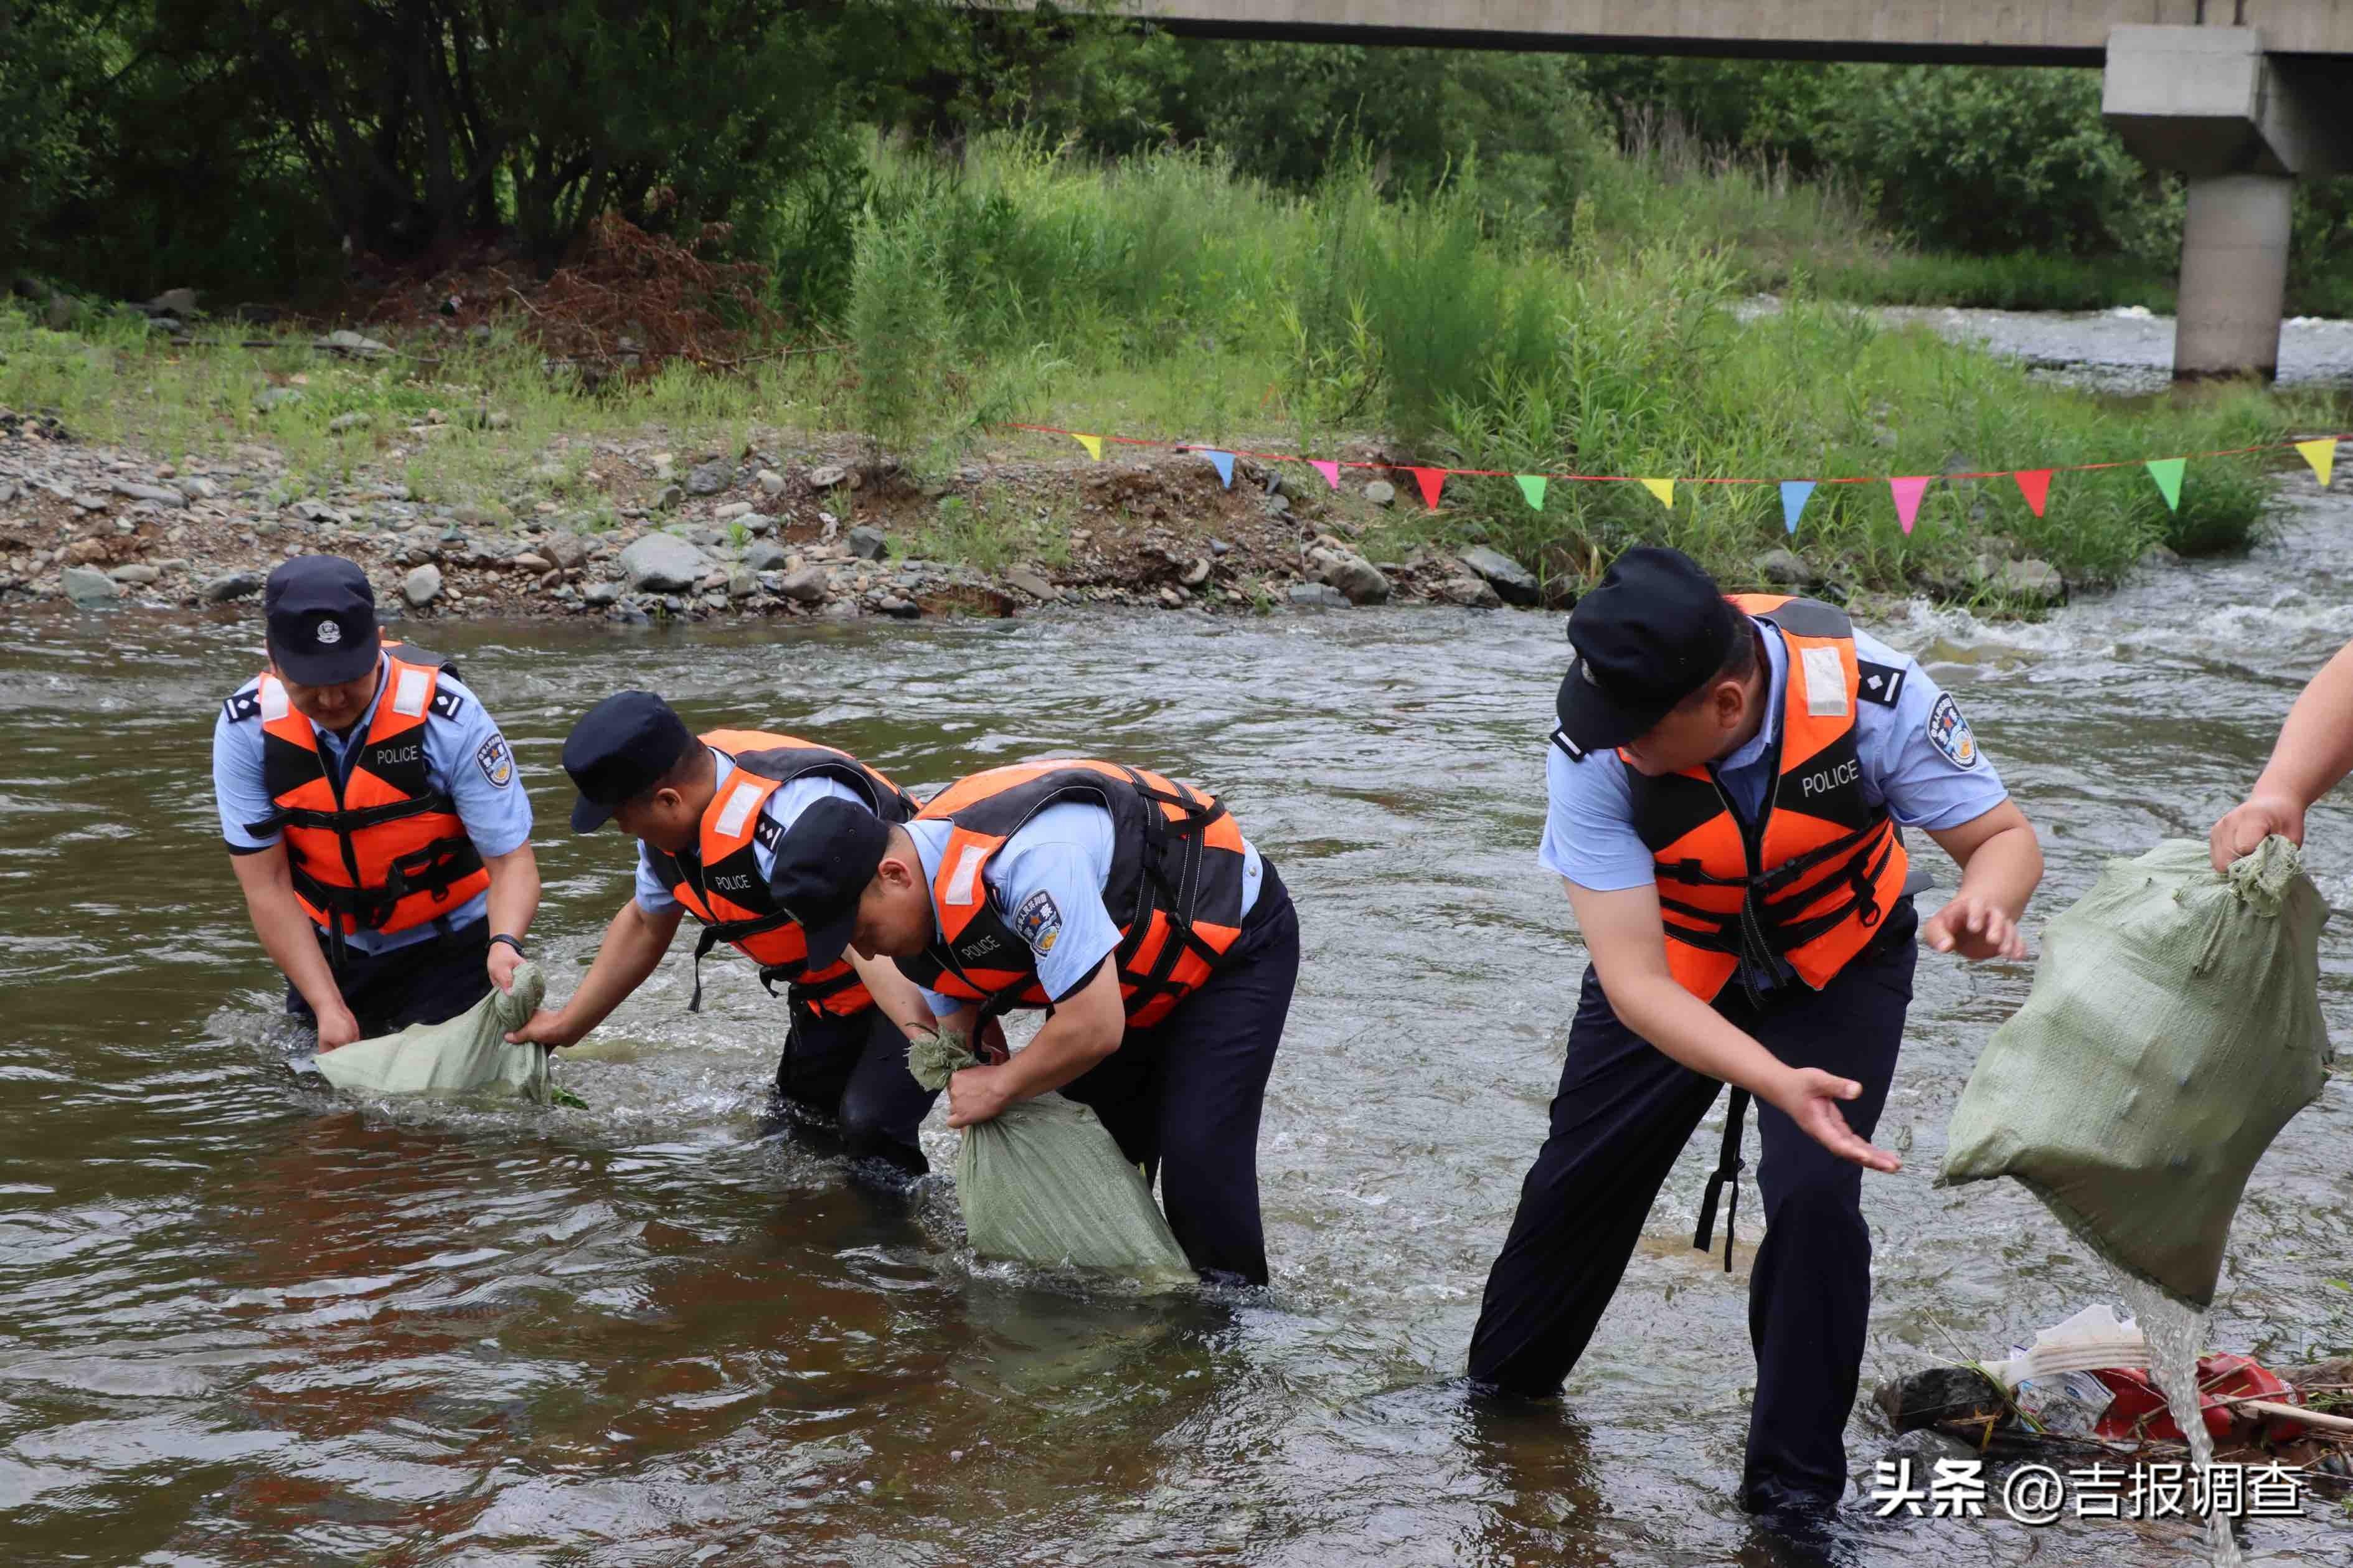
372 814
1729 782
708 813
1161 944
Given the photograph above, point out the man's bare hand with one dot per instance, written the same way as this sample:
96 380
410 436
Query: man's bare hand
336 1029
546 1027
1976 927
2246 825
1810 1098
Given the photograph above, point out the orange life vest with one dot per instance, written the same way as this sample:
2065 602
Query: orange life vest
383 850
1175 887
722 884
1809 881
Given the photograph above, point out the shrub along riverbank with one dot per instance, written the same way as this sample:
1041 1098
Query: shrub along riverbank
1165 297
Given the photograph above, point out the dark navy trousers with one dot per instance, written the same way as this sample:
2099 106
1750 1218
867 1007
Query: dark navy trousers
849 1074
1623 1114
1182 1098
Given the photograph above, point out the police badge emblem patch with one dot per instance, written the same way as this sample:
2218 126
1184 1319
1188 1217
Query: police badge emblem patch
1949 732
1038 922
328 633
496 763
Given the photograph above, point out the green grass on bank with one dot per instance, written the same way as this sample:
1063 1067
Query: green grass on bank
1165 298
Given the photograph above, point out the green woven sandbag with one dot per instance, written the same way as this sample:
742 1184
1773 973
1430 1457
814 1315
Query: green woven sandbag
1043 1182
2173 1029
467 1055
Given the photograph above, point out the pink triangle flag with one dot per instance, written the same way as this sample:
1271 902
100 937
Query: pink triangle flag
1907 498
2035 484
1432 480
1330 471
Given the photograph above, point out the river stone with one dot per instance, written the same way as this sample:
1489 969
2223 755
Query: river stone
710 478
733 510
743 583
809 585
138 574
898 608
2033 579
1510 579
88 585
1358 579
669 497
230 586
422 587
1381 492
1196 574
1033 585
596 596
271 399
766 556
832 476
565 549
1323 595
770 483
482 514
342 423
867 544
663 563
353 343
198 489
528 562
1475 593
154 493
1784 568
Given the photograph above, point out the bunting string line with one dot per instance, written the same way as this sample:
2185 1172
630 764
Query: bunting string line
1326 465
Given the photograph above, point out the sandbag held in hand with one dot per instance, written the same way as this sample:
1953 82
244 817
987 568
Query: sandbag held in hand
1043 1182
2173 1029
467 1054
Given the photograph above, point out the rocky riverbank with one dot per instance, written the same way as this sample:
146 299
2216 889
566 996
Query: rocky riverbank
631 530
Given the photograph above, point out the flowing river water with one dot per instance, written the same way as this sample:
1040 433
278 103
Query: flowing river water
243 1321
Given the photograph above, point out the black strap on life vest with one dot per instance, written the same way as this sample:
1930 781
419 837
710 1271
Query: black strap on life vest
719 931
1728 1167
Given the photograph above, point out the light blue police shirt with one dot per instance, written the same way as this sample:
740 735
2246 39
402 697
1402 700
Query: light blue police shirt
465 757
1918 757
783 807
1047 882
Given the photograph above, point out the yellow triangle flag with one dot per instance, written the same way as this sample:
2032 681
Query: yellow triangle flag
1093 443
1665 488
2322 455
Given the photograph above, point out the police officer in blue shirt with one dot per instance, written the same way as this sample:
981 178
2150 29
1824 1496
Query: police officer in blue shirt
1728 785
373 815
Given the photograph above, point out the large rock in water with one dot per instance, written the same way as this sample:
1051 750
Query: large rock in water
1361 581
231 586
1512 582
87 586
664 563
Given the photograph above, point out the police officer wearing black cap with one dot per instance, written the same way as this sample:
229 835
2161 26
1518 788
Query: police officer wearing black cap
708 813
377 828
1728 786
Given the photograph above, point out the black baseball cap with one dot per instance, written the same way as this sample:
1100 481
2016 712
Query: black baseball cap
321 616
824 862
1650 636
619 750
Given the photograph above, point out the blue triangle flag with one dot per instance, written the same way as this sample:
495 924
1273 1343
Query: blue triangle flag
1223 462
1794 493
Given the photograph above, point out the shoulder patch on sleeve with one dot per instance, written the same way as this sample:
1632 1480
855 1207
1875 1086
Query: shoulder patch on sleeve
1949 732
495 761
242 706
1880 684
764 831
447 703
1039 921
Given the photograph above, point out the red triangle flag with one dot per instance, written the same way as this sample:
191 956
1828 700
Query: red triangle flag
1432 480
2035 484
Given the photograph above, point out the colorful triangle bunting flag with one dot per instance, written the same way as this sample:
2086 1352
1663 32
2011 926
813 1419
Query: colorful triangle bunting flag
2166 471
1794 493
2322 455
1665 488
1223 462
1908 491
1330 471
1432 480
1532 485
2035 484
1093 443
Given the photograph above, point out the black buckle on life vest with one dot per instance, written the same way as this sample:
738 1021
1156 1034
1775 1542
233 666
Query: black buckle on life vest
1728 1167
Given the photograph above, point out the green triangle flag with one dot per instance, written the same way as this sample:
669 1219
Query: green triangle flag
2166 471
1532 485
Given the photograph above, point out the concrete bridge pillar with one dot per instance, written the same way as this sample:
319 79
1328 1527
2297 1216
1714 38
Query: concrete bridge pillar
2240 124
2235 239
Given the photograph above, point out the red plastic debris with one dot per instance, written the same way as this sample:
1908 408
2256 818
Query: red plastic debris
2139 1411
